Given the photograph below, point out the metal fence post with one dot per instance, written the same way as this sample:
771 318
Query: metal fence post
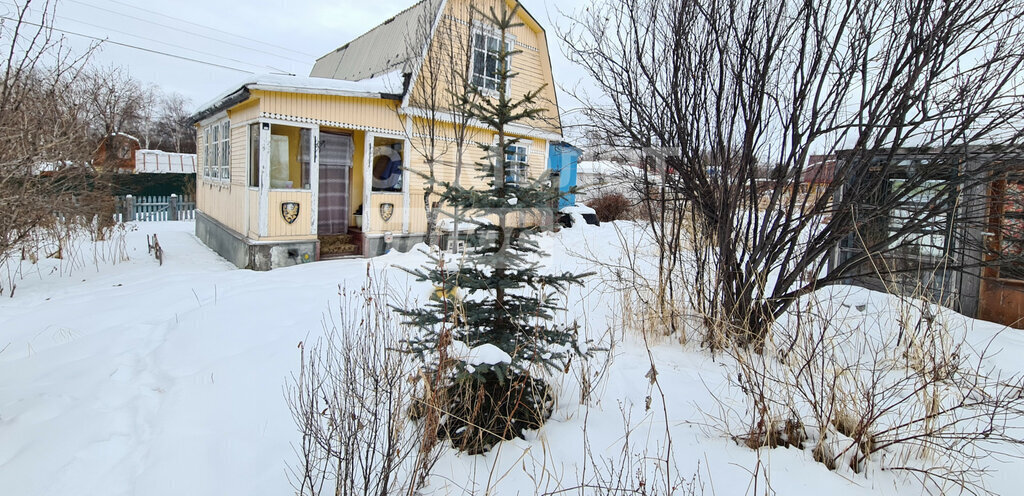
172 207
129 207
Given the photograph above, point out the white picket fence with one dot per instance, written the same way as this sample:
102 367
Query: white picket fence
155 208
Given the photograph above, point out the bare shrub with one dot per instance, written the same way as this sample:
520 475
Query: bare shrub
351 402
49 196
737 97
611 206
898 389
633 469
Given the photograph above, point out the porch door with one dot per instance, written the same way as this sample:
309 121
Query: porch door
335 164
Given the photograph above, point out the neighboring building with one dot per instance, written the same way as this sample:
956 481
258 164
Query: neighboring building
1001 289
817 176
116 153
287 163
160 162
596 178
563 160
983 233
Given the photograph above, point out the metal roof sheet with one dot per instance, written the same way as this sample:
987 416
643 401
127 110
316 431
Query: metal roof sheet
383 49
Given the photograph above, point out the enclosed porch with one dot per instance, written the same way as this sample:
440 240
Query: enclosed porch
324 191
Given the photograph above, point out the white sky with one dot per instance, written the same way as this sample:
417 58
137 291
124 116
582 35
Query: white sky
290 34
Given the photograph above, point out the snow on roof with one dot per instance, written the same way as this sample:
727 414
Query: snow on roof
390 83
126 135
160 162
41 167
605 167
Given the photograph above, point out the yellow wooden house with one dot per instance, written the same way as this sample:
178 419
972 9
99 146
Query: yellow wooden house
295 169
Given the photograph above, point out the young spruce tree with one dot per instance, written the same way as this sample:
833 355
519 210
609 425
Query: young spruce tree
500 334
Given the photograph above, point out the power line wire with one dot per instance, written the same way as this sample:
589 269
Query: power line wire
246 47
171 44
127 45
219 30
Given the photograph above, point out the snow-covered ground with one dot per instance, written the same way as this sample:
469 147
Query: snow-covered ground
134 378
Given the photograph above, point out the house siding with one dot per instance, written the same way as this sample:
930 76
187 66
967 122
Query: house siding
277 227
223 201
344 112
532 66
237 207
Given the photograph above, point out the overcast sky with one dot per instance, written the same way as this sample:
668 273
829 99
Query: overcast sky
247 35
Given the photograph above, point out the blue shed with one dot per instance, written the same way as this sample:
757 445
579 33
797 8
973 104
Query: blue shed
562 160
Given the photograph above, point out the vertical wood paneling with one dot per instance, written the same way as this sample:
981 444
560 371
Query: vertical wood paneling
253 197
224 203
378 224
245 111
531 65
371 112
239 153
277 227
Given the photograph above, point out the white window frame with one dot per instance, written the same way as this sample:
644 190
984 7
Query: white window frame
207 133
252 176
217 151
522 147
225 150
489 33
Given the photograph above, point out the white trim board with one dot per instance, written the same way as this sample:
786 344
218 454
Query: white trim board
516 129
289 120
423 55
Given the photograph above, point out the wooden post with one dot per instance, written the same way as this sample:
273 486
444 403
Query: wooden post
129 207
172 207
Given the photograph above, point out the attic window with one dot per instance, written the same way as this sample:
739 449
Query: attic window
486 66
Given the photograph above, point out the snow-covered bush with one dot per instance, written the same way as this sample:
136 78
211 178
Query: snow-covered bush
892 387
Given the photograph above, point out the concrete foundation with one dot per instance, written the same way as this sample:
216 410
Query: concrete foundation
222 240
246 254
374 244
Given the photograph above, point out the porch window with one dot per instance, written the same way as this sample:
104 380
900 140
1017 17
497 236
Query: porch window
254 155
217 151
207 158
289 157
486 50
225 151
388 163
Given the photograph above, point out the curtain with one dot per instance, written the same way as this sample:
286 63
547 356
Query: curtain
335 162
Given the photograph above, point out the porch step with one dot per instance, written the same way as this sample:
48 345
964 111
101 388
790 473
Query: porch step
324 258
336 245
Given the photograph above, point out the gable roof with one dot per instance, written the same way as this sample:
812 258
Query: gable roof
381 50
